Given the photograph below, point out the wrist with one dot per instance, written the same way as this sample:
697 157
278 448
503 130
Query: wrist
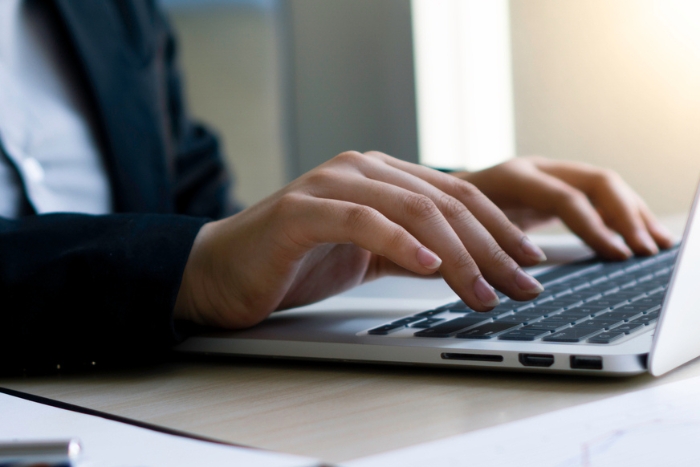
192 277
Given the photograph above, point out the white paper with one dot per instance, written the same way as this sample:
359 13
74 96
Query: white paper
653 427
108 443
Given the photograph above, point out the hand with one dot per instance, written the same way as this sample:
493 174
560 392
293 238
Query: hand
594 203
356 217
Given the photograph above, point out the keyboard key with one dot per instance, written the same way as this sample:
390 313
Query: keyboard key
517 319
615 274
526 306
459 305
386 329
585 310
649 301
486 331
628 295
555 319
486 314
607 302
599 280
601 311
578 296
407 321
622 314
518 335
554 304
426 323
448 328
429 313
573 305
637 297
546 325
646 319
629 328
602 322
574 334
657 290
545 299
573 316
606 337
541 312
644 278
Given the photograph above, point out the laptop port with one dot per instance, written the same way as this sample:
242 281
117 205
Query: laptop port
533 359
579 362
473 357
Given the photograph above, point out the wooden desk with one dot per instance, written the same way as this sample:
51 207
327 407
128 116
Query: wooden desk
335 412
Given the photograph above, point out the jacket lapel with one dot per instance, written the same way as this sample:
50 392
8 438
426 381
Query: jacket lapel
122 71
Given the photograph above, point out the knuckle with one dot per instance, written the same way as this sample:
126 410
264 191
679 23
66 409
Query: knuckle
350 157
465 190
321 177
606 177
452 208
359 217
570 198
395 239
376 154
287 203
463 260
420 206
499 257
533 159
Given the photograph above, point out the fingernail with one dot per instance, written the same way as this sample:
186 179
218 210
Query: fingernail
428 259
621 246
661 229
527 283
532 250
485 293
648 242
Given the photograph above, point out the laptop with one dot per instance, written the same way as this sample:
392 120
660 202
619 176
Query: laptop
594 318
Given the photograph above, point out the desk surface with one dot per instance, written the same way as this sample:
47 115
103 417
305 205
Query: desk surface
331 411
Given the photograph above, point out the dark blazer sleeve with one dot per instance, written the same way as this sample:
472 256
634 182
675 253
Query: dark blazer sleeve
77 289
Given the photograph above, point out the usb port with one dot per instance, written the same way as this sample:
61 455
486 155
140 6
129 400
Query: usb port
532 359
579 362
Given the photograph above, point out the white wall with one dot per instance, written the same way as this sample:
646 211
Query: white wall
614 83
229 55
610 82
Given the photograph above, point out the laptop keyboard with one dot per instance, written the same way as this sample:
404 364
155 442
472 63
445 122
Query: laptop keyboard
591 301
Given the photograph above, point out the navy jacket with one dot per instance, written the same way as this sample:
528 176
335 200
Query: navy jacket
77 289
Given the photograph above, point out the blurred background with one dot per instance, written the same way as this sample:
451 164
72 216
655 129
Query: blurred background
450 83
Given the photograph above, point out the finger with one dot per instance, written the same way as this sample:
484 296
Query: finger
381 266
658 231
619 208
465 246
496 264
551 195
332 221
617 203
510 238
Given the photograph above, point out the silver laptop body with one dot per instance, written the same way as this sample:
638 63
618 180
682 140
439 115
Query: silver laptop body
350 329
